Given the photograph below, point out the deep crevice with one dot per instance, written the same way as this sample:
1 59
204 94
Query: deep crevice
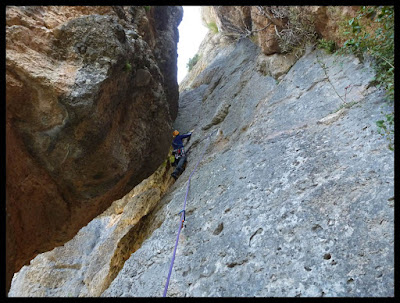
129 244
135 237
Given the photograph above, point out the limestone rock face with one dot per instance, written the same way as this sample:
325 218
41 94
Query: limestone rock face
213 45
208 15
294 196
229 19
91 96
266 32
275 65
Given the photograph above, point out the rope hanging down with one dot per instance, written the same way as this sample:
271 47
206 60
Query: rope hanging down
183 214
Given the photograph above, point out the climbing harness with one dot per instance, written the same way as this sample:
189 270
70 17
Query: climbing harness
180 152
183 214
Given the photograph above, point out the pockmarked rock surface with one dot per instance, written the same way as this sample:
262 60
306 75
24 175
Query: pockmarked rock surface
91 96
294 196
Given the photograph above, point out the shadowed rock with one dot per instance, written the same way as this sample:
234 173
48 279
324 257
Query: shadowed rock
90 104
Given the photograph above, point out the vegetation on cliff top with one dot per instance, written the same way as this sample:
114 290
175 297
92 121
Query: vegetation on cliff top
371 33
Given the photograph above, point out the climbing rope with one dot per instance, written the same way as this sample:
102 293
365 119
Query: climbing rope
183 214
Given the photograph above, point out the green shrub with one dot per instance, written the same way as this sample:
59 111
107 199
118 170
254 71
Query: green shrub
213 27
386 129
192 62
147 8
328 45
372 32
127 67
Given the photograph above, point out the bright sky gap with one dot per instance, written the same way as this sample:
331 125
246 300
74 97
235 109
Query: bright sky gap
191 33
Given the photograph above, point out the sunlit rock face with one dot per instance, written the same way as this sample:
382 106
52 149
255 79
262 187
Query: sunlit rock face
295 194
91 94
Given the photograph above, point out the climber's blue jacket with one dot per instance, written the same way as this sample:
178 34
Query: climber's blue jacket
177 142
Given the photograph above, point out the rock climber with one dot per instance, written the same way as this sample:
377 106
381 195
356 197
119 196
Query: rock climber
179 152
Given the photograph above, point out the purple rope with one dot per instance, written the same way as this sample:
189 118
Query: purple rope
182 218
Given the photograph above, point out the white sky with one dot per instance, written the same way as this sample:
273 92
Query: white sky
191 33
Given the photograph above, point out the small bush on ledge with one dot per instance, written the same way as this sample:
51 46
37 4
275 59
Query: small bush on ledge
213 27
192 62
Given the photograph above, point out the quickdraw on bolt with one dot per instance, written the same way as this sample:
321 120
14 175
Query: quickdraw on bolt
184 218
183 214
